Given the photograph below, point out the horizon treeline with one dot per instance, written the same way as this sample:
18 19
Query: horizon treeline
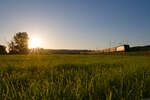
20 41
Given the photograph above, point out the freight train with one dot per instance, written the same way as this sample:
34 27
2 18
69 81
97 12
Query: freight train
121 48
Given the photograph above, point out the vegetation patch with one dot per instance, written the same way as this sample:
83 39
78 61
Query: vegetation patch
89 77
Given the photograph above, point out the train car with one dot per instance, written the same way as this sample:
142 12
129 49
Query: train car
123 48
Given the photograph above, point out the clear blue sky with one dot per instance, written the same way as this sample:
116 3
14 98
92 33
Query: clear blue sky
77 24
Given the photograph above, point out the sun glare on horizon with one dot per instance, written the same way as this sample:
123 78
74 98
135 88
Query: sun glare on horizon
34 43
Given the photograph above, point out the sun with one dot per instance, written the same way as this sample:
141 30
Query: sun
34 43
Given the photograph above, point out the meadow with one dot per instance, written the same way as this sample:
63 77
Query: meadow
74 77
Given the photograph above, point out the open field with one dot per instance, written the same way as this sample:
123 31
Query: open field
74 77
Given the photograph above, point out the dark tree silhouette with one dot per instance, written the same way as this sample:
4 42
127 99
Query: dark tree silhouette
2 49
19 45
12 49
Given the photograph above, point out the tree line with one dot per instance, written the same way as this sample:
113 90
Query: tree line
18 45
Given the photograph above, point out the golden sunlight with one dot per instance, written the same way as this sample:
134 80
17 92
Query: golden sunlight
34 43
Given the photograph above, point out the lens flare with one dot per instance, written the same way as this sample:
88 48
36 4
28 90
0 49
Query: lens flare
34 43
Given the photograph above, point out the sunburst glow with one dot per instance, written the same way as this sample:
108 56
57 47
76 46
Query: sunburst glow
34 43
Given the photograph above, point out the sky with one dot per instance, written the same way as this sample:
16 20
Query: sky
77 24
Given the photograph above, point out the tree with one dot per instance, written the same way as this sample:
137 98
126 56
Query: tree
19 43
12 49
2 49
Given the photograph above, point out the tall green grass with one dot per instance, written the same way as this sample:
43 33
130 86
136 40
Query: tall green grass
74 77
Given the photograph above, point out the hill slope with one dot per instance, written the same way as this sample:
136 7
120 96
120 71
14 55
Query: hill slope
140 48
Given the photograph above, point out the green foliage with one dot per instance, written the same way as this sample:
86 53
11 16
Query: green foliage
74 77
2 49
19 44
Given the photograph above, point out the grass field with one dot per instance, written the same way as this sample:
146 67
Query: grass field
74 77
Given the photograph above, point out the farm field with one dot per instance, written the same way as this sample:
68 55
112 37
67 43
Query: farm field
74 77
